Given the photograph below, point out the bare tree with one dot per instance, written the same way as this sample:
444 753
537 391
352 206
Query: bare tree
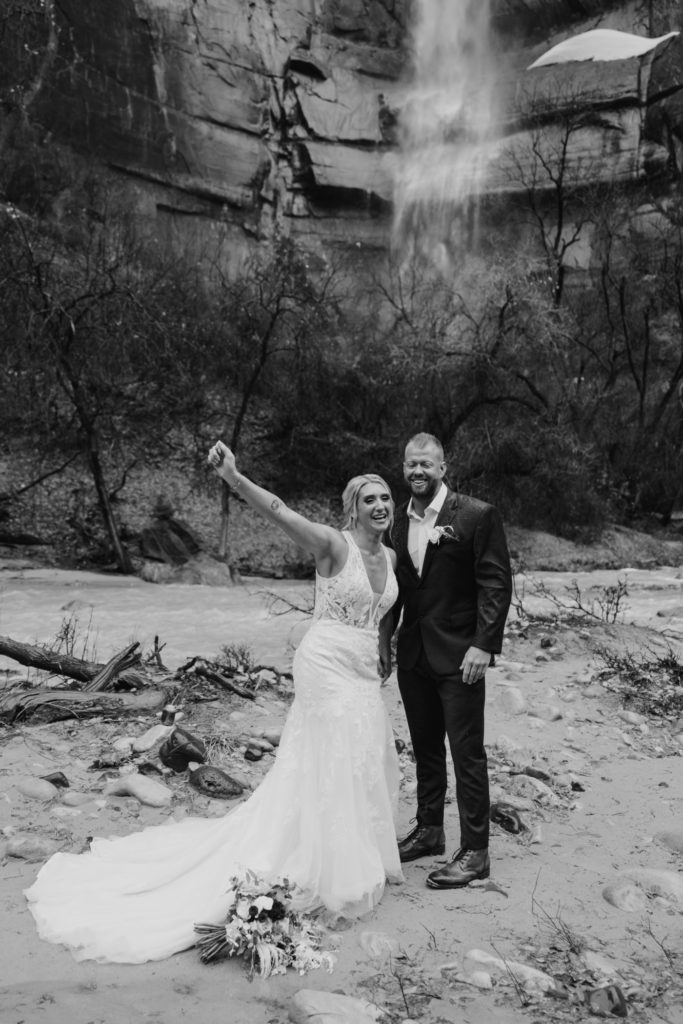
92 360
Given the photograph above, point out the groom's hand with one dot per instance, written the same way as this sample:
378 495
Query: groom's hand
474 665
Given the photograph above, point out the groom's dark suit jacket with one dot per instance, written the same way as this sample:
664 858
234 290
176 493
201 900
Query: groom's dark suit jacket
462 596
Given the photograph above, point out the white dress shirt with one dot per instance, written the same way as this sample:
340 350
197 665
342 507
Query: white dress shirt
419 526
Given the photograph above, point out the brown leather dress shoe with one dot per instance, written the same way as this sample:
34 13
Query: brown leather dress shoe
423 841
465 866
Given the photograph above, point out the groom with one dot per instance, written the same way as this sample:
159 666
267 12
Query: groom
455 587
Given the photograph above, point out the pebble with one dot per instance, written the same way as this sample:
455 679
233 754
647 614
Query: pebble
512 699
548 712
379 945
328 1007
672 839
260 743
75 799
529 978
151 737
37 789
625 895
65 812
123 744
535 789
30 848
144 789
632 717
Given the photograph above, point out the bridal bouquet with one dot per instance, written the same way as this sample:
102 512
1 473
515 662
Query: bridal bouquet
264 929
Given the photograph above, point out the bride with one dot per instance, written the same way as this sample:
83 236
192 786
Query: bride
323 815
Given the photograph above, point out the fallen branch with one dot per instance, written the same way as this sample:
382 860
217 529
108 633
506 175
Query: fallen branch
227 684
65 664
119 663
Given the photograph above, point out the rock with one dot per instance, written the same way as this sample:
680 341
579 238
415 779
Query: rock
599 966
480 979
537 790
75 799
667 884
30 848
168 539
113 759
632 717
532 772
507 817
607 1001
512 699
214 783
180 749
272 736
37 789
529 978
672 839
379 945
547 712
57 779
60 811
261 744
144 700
253 753
507 746
311 1006
147 791
625 895
148 739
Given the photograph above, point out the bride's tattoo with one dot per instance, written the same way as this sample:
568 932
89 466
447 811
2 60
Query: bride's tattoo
275 505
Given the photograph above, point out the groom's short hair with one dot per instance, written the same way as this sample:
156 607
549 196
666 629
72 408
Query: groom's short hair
424 440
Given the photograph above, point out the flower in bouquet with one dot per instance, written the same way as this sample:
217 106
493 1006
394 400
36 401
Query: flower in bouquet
263 927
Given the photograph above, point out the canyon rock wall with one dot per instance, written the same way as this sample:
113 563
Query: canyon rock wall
239 116
246 113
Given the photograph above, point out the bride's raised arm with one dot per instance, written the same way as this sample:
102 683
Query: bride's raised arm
324 542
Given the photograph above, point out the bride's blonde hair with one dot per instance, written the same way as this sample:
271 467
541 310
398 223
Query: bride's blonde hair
351 494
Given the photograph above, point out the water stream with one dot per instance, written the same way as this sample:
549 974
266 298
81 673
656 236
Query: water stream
109 612
446 122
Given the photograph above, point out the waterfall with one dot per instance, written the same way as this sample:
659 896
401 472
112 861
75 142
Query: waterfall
446 120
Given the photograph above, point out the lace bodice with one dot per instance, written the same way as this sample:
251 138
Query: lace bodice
348 597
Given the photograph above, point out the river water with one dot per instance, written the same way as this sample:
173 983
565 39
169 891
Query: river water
104 612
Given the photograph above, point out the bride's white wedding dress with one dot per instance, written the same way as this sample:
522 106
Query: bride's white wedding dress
322 817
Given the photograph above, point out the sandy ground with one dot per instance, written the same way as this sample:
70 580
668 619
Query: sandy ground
609 821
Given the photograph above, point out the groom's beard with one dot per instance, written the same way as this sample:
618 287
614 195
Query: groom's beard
427 492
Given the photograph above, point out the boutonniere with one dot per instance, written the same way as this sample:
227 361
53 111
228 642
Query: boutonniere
437 534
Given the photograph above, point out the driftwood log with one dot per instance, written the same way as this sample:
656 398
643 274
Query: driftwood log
54 705
96 676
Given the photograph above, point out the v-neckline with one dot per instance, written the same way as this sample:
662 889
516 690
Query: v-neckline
376 594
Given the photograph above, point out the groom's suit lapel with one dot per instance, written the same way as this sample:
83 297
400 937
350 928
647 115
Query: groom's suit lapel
446 517
400 537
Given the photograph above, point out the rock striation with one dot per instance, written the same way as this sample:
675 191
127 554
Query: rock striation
247 111
610 119
252 114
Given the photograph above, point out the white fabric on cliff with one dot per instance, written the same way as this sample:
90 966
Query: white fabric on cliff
322 817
